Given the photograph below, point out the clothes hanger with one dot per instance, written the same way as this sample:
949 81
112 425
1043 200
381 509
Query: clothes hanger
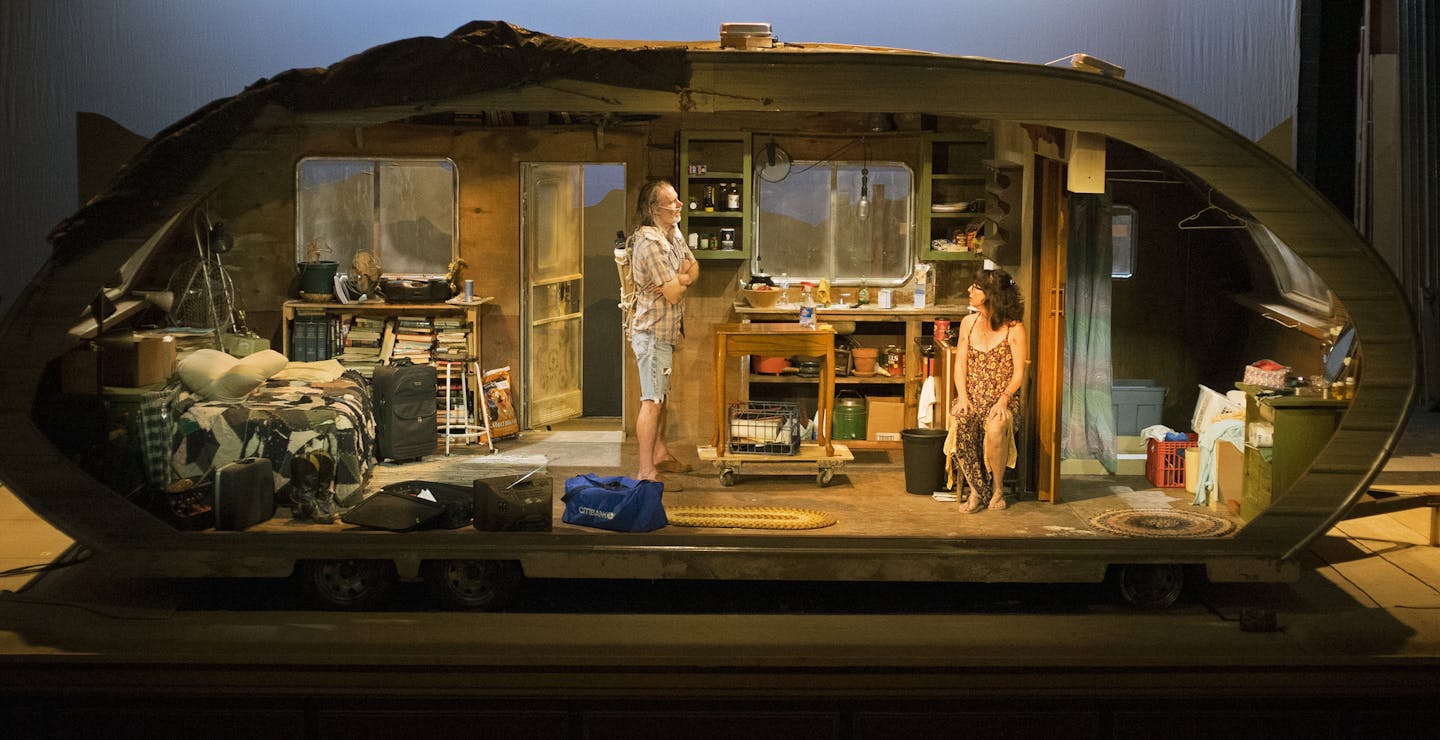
1231 220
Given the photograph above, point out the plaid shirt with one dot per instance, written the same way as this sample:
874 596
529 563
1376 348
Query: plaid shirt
656 261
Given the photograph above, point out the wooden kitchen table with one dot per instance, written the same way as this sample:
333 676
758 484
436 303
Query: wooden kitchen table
782 340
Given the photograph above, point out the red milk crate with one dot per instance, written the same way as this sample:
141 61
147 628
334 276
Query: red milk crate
1165 461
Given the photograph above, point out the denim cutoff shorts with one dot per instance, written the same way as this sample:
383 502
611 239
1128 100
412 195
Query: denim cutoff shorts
655 360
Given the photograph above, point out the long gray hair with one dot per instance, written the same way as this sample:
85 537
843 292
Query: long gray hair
646 201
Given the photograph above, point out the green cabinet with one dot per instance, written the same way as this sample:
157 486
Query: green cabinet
951 207
1302 426
717 163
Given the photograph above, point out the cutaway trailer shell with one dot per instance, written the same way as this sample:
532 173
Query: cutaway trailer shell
493 66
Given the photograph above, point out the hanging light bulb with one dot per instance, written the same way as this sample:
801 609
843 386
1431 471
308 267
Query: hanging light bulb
863 209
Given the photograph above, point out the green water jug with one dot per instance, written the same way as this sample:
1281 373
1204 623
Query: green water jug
850 416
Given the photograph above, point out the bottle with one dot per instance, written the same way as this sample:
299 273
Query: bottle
732 197
784 283
863 297
1349 389
807 306
709 202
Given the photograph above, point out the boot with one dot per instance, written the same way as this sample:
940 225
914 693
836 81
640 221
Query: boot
304 484
327 508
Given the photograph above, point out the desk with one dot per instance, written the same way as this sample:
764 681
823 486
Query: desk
733 340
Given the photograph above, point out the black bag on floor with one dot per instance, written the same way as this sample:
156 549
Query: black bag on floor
414 504
504 505
244 493
404 411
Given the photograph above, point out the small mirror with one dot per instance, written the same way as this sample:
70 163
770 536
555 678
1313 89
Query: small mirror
1335 358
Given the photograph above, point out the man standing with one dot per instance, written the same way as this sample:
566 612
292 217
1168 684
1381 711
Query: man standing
662 268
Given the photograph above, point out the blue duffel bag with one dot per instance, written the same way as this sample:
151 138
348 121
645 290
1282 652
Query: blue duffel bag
613 502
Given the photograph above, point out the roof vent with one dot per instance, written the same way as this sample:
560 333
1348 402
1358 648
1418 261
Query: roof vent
746 36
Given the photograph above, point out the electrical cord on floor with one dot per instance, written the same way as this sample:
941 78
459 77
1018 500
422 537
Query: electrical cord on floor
81 555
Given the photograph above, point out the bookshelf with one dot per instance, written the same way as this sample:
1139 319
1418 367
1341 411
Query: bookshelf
443 322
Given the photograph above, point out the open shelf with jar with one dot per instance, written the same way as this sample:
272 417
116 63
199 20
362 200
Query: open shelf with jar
716 190
904 328
952 203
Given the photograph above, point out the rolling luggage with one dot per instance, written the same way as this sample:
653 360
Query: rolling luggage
244 493
404 411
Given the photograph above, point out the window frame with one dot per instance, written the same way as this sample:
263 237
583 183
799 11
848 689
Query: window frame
345 259
840 171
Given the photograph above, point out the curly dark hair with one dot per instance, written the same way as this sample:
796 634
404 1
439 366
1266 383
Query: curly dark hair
646 201
1002 297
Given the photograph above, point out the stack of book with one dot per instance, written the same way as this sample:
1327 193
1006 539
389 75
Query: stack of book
314 336
451 389
414 339
452 338
361 345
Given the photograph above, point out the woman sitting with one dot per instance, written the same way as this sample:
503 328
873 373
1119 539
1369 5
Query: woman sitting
989 370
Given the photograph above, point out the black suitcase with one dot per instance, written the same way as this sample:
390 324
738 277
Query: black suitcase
244 493
414 504
504 505
404 411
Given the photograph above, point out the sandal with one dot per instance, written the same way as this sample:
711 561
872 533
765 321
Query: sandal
673 466
997 502
971 505
668 484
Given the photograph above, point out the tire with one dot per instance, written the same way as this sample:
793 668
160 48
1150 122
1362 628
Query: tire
727 477
473 585
347 585
1150 587
823 477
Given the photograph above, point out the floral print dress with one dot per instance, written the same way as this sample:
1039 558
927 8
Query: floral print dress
987 372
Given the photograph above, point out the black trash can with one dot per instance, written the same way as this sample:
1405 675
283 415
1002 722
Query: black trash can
924 460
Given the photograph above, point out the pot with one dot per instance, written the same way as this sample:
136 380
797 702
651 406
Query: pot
768 365
317 279
865 358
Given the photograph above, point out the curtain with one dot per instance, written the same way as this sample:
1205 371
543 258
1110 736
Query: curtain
1087 417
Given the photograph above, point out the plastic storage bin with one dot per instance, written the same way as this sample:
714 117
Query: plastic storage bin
1137 405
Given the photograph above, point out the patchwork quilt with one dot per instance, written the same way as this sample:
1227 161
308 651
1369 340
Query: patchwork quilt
279 420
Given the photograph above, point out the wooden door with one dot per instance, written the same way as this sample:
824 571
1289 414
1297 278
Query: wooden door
552 242
1048 350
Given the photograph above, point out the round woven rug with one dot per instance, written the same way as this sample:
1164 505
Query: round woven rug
747 517
1162 523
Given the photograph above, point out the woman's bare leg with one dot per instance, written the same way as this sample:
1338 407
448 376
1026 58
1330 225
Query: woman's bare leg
996 445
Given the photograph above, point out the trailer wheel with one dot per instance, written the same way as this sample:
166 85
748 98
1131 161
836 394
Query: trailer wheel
473 585
727 477
1151 587
823 477
347 585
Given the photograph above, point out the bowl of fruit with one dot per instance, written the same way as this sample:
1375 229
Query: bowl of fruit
761 296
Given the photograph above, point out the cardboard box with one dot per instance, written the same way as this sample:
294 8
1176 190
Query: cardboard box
1229 478
129 362
884 418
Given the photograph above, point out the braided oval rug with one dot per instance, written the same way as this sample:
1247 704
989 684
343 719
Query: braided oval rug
747 517
1162 523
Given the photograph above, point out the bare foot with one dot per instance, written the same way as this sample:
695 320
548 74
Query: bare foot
998 501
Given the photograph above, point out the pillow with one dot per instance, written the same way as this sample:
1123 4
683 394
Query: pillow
216 376
233 386
266 361
201 367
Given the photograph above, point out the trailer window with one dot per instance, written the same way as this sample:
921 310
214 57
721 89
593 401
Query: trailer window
1298 285
401 211
809 224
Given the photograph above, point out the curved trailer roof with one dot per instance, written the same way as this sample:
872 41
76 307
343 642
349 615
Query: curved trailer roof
487 66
